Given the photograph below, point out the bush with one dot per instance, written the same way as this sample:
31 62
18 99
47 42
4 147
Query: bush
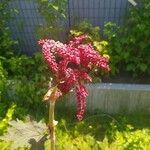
26 67
127 139
2 77
24 82
129 44
100 131
6 42
54 13
8 117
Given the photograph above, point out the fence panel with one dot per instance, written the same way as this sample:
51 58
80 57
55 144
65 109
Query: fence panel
24 23
98 12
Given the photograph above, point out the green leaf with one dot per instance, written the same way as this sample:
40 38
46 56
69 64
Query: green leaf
23 134
130 67
55 7
143 67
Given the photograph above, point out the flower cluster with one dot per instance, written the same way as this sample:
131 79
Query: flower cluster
71 64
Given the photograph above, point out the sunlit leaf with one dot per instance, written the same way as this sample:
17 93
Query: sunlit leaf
22 134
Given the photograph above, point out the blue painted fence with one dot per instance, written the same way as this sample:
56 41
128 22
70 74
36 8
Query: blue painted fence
98 12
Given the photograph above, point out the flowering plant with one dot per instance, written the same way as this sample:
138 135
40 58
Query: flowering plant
70 65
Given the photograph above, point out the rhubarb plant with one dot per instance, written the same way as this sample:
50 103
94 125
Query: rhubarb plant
70 65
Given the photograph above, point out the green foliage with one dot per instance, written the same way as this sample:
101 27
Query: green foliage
129 45
72 138
25 83
54 13
5 41
8 117
23 134
2 78
21 82
103 132
28 95
26 67
85 27
21 76
128 139
100 131
75 143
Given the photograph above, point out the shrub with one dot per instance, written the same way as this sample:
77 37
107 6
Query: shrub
5 40
54 13
2 77
24 81
129 44
126 137
26 67
8 117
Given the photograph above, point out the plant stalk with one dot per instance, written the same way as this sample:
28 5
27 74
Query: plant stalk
51 125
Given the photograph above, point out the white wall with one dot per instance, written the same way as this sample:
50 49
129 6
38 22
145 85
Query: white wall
116 98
